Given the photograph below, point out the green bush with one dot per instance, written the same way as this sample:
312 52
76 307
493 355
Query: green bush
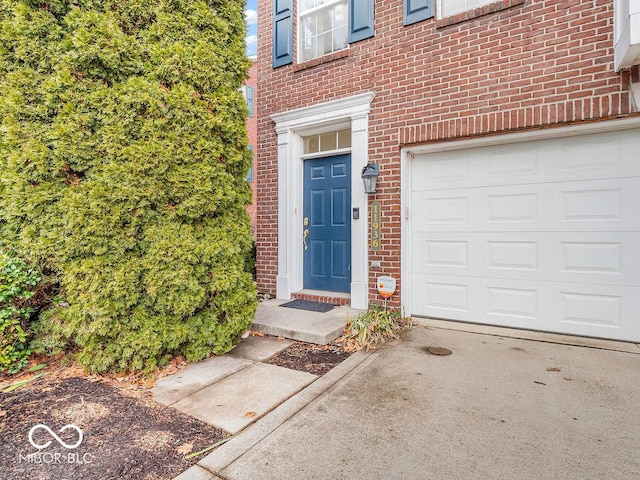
250 260
123 155
17 286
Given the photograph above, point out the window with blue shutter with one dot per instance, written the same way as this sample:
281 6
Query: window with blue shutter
417 10
361 20
250 100
325 26
282 33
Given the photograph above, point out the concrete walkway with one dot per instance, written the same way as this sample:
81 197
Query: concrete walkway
233 391
497 408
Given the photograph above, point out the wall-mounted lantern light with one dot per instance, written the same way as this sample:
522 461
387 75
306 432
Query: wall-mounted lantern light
370 177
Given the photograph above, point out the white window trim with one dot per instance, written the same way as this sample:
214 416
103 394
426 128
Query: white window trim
311 11
291 127
441 8
304 13
328 153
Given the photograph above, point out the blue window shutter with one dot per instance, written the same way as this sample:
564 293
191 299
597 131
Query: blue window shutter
361 20
250 100
282 33
250 173
417 10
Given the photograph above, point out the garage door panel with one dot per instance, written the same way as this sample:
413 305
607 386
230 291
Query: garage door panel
579 257
541 235
601 311
588 157
518 303
603 205
606 311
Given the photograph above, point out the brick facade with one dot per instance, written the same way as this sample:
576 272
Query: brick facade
509 66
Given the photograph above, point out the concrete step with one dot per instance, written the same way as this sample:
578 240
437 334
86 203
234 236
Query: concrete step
301 325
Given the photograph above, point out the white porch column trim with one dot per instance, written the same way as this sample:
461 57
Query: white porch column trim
290 127
359 228
283 280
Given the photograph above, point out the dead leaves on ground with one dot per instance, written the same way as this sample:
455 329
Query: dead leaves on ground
185 448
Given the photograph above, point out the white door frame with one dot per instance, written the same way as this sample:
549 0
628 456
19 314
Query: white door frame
291 126
408 153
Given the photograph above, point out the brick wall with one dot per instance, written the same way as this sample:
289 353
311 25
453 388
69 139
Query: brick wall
509 66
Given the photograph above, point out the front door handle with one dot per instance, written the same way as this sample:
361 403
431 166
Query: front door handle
304 239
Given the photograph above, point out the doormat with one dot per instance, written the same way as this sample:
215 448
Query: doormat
309 305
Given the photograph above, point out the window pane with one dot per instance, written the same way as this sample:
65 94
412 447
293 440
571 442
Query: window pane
309 26
339 14
311 144
323 21
308 43
344 138
325 44
447 8
340 38
328 141
324 30
307 4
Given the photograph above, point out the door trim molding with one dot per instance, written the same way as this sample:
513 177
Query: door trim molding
290 127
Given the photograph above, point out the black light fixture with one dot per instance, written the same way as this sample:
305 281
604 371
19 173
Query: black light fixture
370 177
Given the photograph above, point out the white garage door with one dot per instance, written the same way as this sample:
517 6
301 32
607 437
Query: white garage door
543 235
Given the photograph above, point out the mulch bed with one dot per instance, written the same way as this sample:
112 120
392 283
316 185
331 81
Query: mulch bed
310 358
124 437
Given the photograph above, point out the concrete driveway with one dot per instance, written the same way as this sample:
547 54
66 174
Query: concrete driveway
497 408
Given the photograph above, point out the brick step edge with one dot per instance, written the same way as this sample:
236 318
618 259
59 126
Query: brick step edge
340 301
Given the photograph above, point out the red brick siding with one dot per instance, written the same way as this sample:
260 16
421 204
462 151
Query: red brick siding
532 64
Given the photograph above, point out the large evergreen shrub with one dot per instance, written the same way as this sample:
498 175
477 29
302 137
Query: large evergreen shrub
122 165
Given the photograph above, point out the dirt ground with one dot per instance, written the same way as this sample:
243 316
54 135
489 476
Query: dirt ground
310 358
123 437
125 434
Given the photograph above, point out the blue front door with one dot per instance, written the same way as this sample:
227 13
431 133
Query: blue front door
327 224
